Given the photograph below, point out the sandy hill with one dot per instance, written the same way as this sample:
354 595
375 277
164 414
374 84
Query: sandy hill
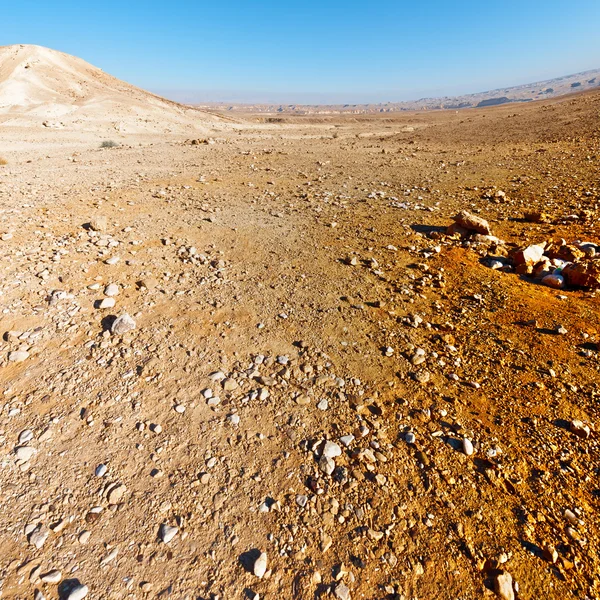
44 87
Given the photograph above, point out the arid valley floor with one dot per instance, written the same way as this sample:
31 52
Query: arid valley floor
292 284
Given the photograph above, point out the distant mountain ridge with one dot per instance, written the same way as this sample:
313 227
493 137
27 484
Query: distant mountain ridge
549 88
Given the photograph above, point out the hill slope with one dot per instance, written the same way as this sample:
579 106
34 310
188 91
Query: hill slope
40 86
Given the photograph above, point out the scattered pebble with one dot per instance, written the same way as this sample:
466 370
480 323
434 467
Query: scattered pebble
260 565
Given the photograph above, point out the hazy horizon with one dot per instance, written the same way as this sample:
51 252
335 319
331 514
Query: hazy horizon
315 98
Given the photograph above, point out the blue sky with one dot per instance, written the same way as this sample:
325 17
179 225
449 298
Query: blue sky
314 51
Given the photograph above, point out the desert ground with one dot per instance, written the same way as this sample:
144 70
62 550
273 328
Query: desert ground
230 340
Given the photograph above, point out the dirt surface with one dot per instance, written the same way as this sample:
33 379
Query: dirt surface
292 283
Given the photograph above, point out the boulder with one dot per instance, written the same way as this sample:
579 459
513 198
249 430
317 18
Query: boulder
529 256
99 223
456 230
536 216
122 325
503 586
555 281
583 274
472 222
566 252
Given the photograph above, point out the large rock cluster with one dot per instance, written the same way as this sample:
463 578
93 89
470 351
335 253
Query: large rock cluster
558 264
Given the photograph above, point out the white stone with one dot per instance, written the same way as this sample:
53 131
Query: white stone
260 566
79 592
167 532
101 470
122 324
467 447
326 465
112 289
331 449
107 303
53 576
25 436
18 356
24 453
503 586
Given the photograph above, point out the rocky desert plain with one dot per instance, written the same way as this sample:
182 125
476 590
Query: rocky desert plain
344 357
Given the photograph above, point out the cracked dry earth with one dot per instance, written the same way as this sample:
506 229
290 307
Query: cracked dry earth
316 372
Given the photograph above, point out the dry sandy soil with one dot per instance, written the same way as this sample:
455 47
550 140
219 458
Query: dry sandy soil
291 284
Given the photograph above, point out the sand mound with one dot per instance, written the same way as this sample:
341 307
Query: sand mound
46 88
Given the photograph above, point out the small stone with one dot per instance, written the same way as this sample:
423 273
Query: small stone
234 419
101 470
122 325
106 303
34 576
112 289
53 576
410 438
375 535
326 465
347 440
580 429
230 384
331 449
550 554
561 330
38 536
25 436
110 556
84 537
326 541
342 592
422 376
418 359
59 525
503 586
18 356
167 532
24 453
260 565
99 223
78 592
467 446
116 494
113 260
